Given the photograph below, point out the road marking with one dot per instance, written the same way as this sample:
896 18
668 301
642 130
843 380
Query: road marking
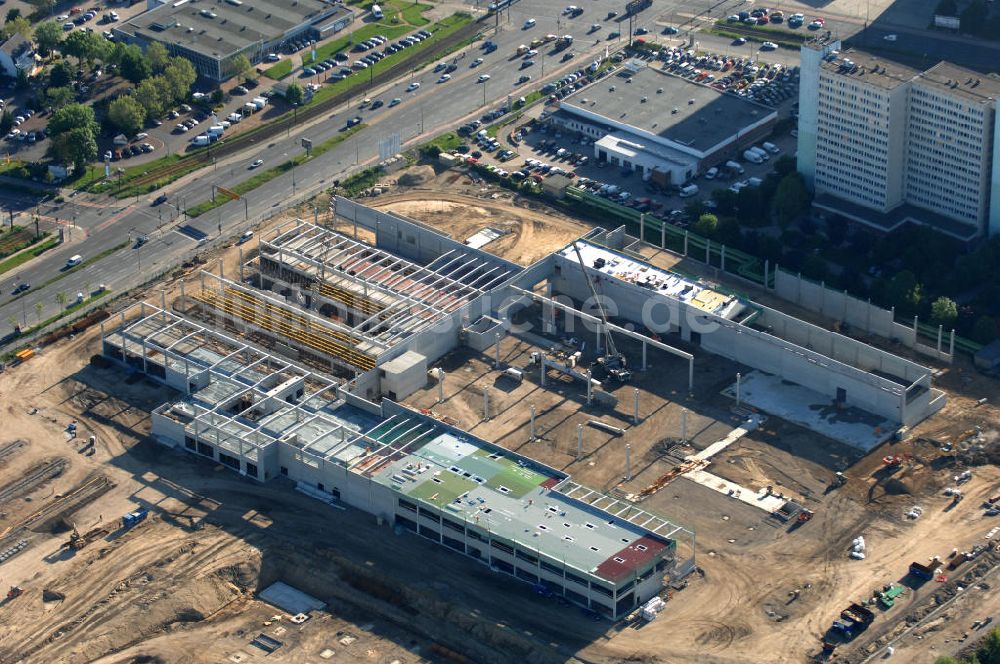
112 219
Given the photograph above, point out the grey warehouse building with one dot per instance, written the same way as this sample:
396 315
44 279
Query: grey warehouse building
212 33
663 126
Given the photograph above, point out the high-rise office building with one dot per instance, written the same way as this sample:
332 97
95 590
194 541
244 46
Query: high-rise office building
883 144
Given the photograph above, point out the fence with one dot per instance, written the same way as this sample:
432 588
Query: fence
817 297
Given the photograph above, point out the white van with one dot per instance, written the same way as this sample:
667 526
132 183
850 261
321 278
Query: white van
771 147
761 153
74 261
202 140
216 130
688 191
752 157
711 173
735 167
754 182
377 12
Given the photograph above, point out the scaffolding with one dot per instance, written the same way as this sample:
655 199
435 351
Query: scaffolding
285 324
390 298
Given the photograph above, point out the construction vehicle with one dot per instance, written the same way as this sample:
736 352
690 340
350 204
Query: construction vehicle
853 620
805 515
838 480
15 591
612 363
888 593
892 461
78 541
921 571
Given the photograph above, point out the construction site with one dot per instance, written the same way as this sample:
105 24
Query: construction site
331 443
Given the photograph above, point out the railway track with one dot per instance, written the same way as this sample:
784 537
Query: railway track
43 472
11 448
276 127
93 486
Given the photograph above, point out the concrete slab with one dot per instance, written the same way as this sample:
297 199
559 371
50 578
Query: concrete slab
758 499
291 600
814 411
749 425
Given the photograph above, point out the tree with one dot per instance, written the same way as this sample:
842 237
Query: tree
38 311
217 96
43 6
13 322
18 26
974 17
127 114
903 291
62 298
791 199
725 201
6 122
784 165
294 94
242 69
155 96
134 65
989 651
61 74
158 57
947 8
12 13
706 225
180 74
814 267
48 36
946 659
76 146
985 330
836 230
944 311
86 47
59 97
73 116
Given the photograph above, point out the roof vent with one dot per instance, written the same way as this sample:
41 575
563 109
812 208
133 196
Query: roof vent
978 81
643 100
690 102
949 82
969 81
611 89
659 91
675 111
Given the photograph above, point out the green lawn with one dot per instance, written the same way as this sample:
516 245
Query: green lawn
25 256
439 31
279 70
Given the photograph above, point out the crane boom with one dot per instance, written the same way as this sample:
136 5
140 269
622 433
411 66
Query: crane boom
609 342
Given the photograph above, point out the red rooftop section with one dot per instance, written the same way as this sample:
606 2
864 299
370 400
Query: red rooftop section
636 555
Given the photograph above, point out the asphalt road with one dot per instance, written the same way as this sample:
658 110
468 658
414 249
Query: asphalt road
99 223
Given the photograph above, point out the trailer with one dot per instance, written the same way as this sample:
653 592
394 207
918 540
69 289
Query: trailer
132 519
853 620
921 571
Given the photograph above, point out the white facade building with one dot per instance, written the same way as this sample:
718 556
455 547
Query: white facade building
883 144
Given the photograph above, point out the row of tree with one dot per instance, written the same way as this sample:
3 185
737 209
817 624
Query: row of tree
168 83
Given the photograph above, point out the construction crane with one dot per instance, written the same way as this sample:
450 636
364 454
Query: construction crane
611 363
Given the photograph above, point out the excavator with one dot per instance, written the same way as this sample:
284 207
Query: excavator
612 363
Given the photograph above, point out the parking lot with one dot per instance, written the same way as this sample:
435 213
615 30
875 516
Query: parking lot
533 149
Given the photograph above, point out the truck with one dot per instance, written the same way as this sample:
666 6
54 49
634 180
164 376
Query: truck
564 42
135 517
200 140
259 102
853 620
377 13
921 571
752 157
689 190
216 130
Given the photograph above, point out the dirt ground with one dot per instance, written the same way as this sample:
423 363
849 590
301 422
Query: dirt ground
181 586
530 234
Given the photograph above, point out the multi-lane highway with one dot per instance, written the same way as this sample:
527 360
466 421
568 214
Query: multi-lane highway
100 223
